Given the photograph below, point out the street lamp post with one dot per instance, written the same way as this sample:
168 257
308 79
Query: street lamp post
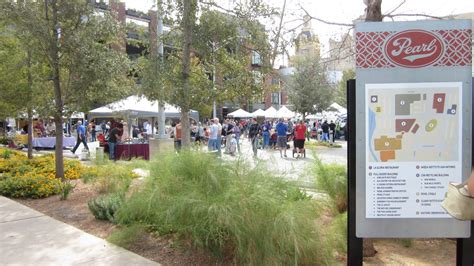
161 105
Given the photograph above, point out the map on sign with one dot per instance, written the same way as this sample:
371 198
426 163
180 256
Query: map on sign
409 122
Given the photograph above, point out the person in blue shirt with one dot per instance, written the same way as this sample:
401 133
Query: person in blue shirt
281 129
81 136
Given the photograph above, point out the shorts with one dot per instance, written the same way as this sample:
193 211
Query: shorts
299 143
281 141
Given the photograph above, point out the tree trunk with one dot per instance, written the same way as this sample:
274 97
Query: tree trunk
29 111
30 133
185 130
373 12
189 16
58 102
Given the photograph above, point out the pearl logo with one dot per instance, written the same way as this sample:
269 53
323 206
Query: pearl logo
414 48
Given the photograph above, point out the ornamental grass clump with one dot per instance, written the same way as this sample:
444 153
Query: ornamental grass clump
332 180
338 233
229 208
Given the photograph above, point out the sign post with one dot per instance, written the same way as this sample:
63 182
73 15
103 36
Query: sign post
413 135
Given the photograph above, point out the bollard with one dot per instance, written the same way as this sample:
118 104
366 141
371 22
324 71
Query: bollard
99 154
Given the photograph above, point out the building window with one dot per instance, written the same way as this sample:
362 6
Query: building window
256 59
257 77
275 98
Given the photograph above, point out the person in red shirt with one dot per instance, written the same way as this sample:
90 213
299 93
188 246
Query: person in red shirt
300 131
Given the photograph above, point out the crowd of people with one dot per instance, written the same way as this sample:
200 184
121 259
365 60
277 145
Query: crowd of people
268 134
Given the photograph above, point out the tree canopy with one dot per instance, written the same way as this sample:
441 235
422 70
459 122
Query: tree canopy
75 46
309 90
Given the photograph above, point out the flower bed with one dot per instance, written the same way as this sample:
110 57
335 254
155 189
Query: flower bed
34 178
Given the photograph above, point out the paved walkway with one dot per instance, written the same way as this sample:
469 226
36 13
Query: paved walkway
28 237
289 167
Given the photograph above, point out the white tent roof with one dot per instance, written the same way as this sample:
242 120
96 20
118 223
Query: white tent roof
258 112
271 112
139 107
240 113
338 108
284 112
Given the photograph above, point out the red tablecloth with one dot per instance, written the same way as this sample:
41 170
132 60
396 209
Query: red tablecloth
128 151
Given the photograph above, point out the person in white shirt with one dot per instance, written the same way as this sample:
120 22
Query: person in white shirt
213 136
148 128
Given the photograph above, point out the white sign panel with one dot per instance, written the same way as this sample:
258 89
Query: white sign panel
413 131
413 148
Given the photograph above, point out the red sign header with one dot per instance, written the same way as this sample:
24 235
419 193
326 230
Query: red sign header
414 48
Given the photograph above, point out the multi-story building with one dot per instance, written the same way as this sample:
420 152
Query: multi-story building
307 42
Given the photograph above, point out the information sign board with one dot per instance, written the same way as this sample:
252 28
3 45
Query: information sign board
413 126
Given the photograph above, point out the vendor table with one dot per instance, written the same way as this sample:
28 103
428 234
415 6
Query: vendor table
128 151
50 142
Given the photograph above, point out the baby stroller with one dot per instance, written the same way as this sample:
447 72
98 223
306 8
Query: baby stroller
303 153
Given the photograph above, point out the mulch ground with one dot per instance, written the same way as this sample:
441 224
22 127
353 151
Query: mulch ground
74 211
166 251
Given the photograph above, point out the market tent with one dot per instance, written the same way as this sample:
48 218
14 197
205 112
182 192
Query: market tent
240 113
271 112
338 108
258 112
284 112
137 106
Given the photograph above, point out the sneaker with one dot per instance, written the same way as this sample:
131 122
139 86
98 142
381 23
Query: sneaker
285 156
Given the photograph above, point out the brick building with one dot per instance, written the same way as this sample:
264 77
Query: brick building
147 22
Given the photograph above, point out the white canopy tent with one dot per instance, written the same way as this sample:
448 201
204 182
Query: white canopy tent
271 112
137 106
258 112
284 112
338 108
240 113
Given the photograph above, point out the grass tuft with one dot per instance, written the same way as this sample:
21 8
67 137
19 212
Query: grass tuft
332 180
230 209
127 236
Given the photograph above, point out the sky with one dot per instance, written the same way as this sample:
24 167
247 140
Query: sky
345 11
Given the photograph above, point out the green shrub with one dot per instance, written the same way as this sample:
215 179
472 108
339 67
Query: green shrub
332 180
29 185
406 242
6 154
4 141
338 233
109 177
230 209
105 207
88 176
65 188
127 236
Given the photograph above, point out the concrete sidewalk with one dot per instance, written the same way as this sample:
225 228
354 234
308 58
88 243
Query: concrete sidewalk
30 237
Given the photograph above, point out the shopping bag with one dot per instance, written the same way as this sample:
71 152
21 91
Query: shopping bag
458 203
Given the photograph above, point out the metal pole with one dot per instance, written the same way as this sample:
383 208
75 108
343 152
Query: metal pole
354 244
161 105
214 111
